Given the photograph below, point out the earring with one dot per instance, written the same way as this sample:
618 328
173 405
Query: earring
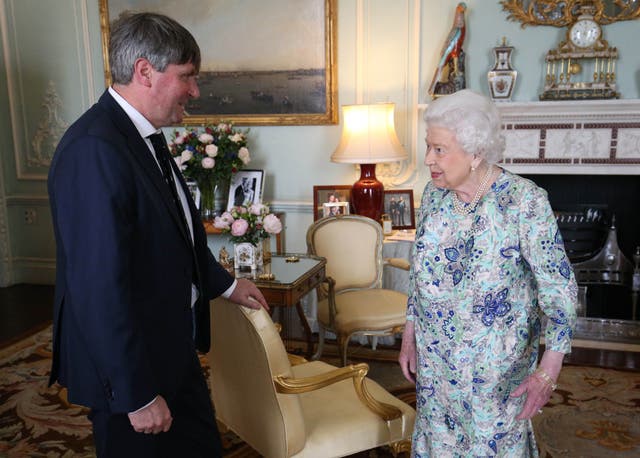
473 168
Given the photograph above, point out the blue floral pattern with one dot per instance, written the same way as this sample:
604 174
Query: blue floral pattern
479 285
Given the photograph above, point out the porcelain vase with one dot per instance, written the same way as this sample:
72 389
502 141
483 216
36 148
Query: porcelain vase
247 255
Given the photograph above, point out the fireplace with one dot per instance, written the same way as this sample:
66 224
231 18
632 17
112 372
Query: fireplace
614 197
586 154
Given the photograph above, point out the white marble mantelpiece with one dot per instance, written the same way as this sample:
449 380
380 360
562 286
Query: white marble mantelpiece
587 137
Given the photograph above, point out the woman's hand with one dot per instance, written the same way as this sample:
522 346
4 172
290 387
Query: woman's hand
407 358
538 390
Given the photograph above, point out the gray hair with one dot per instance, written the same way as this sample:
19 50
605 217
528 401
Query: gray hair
474 120
155 37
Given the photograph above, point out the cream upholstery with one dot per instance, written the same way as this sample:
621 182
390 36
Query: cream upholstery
311 409
354 301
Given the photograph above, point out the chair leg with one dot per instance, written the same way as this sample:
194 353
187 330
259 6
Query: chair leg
343 343
403 446
318 352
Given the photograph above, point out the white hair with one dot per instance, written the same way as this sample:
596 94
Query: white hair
474 120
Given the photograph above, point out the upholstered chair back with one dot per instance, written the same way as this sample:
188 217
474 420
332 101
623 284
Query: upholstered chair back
353 247
247 353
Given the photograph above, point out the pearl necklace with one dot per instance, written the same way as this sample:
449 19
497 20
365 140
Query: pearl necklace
462 208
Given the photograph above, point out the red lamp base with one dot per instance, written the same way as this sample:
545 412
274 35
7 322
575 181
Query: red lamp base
367 195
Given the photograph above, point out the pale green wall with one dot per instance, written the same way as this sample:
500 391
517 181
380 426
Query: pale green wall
391 60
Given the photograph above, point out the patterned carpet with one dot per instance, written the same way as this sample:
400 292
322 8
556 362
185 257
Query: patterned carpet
594 413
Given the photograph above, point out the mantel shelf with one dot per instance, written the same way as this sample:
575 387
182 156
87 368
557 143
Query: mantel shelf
575 137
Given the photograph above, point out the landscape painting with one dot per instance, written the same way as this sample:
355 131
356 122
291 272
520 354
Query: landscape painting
262 62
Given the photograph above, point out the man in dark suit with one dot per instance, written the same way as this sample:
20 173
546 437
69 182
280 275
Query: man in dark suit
134 274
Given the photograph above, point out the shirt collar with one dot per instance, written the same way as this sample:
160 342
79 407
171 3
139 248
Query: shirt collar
142 125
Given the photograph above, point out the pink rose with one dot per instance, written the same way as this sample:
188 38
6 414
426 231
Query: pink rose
236 138
205 138
272 224
208 163
257 209
220 222
211 150
239 227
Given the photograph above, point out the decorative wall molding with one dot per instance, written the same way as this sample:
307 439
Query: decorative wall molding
393 174
36 126
50 129
573 137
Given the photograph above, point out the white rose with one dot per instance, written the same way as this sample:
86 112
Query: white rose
205 138
186 155
208 163
272 224
178 161
222 127
179 140
211 150
236 138
243 154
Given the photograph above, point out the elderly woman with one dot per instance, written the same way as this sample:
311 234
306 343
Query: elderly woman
488 263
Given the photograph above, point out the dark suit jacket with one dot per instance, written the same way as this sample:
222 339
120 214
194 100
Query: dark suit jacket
123 326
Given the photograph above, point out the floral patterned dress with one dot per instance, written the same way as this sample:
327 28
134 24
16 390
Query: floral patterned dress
479 285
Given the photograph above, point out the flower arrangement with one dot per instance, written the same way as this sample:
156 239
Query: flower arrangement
209 156
250 223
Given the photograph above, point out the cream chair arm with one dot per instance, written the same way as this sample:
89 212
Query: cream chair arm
399 263
296 360
290 385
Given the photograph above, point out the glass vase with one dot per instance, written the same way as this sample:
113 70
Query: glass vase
213 198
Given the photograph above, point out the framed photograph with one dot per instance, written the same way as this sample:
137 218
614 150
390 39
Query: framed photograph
280 71
398 204
335 208
245 188
331 194
195 192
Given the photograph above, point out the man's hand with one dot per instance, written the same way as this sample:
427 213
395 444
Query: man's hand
153 419
247 293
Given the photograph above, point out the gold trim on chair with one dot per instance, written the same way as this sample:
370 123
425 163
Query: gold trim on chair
358 372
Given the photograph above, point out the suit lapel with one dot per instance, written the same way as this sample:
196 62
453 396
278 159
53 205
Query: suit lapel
141 154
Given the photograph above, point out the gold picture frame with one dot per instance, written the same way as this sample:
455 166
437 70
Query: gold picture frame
302 94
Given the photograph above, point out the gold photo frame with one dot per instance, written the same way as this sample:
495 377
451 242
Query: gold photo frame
295 86
325 198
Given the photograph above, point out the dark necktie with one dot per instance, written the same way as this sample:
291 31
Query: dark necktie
164 157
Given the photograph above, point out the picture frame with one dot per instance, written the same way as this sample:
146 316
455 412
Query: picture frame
245 188
398 204
195 192
323 195
288 78
335 209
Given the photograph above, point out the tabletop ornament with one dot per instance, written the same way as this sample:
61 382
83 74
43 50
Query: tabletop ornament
502 77
449 76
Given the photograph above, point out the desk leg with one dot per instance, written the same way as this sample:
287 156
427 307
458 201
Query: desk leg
307 329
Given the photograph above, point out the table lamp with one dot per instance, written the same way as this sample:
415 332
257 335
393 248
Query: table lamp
368 137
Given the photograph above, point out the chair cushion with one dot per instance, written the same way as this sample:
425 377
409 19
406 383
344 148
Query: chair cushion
337 423
370 309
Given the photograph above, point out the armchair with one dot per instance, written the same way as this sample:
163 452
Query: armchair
353 301
310 409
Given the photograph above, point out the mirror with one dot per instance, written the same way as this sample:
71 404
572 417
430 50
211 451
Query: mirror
560 13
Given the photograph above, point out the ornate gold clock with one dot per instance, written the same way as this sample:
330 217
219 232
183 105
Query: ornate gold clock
583 65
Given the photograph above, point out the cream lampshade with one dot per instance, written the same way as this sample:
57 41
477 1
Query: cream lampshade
368 137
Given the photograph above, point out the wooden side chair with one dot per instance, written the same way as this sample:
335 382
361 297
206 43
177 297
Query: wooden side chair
354 301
